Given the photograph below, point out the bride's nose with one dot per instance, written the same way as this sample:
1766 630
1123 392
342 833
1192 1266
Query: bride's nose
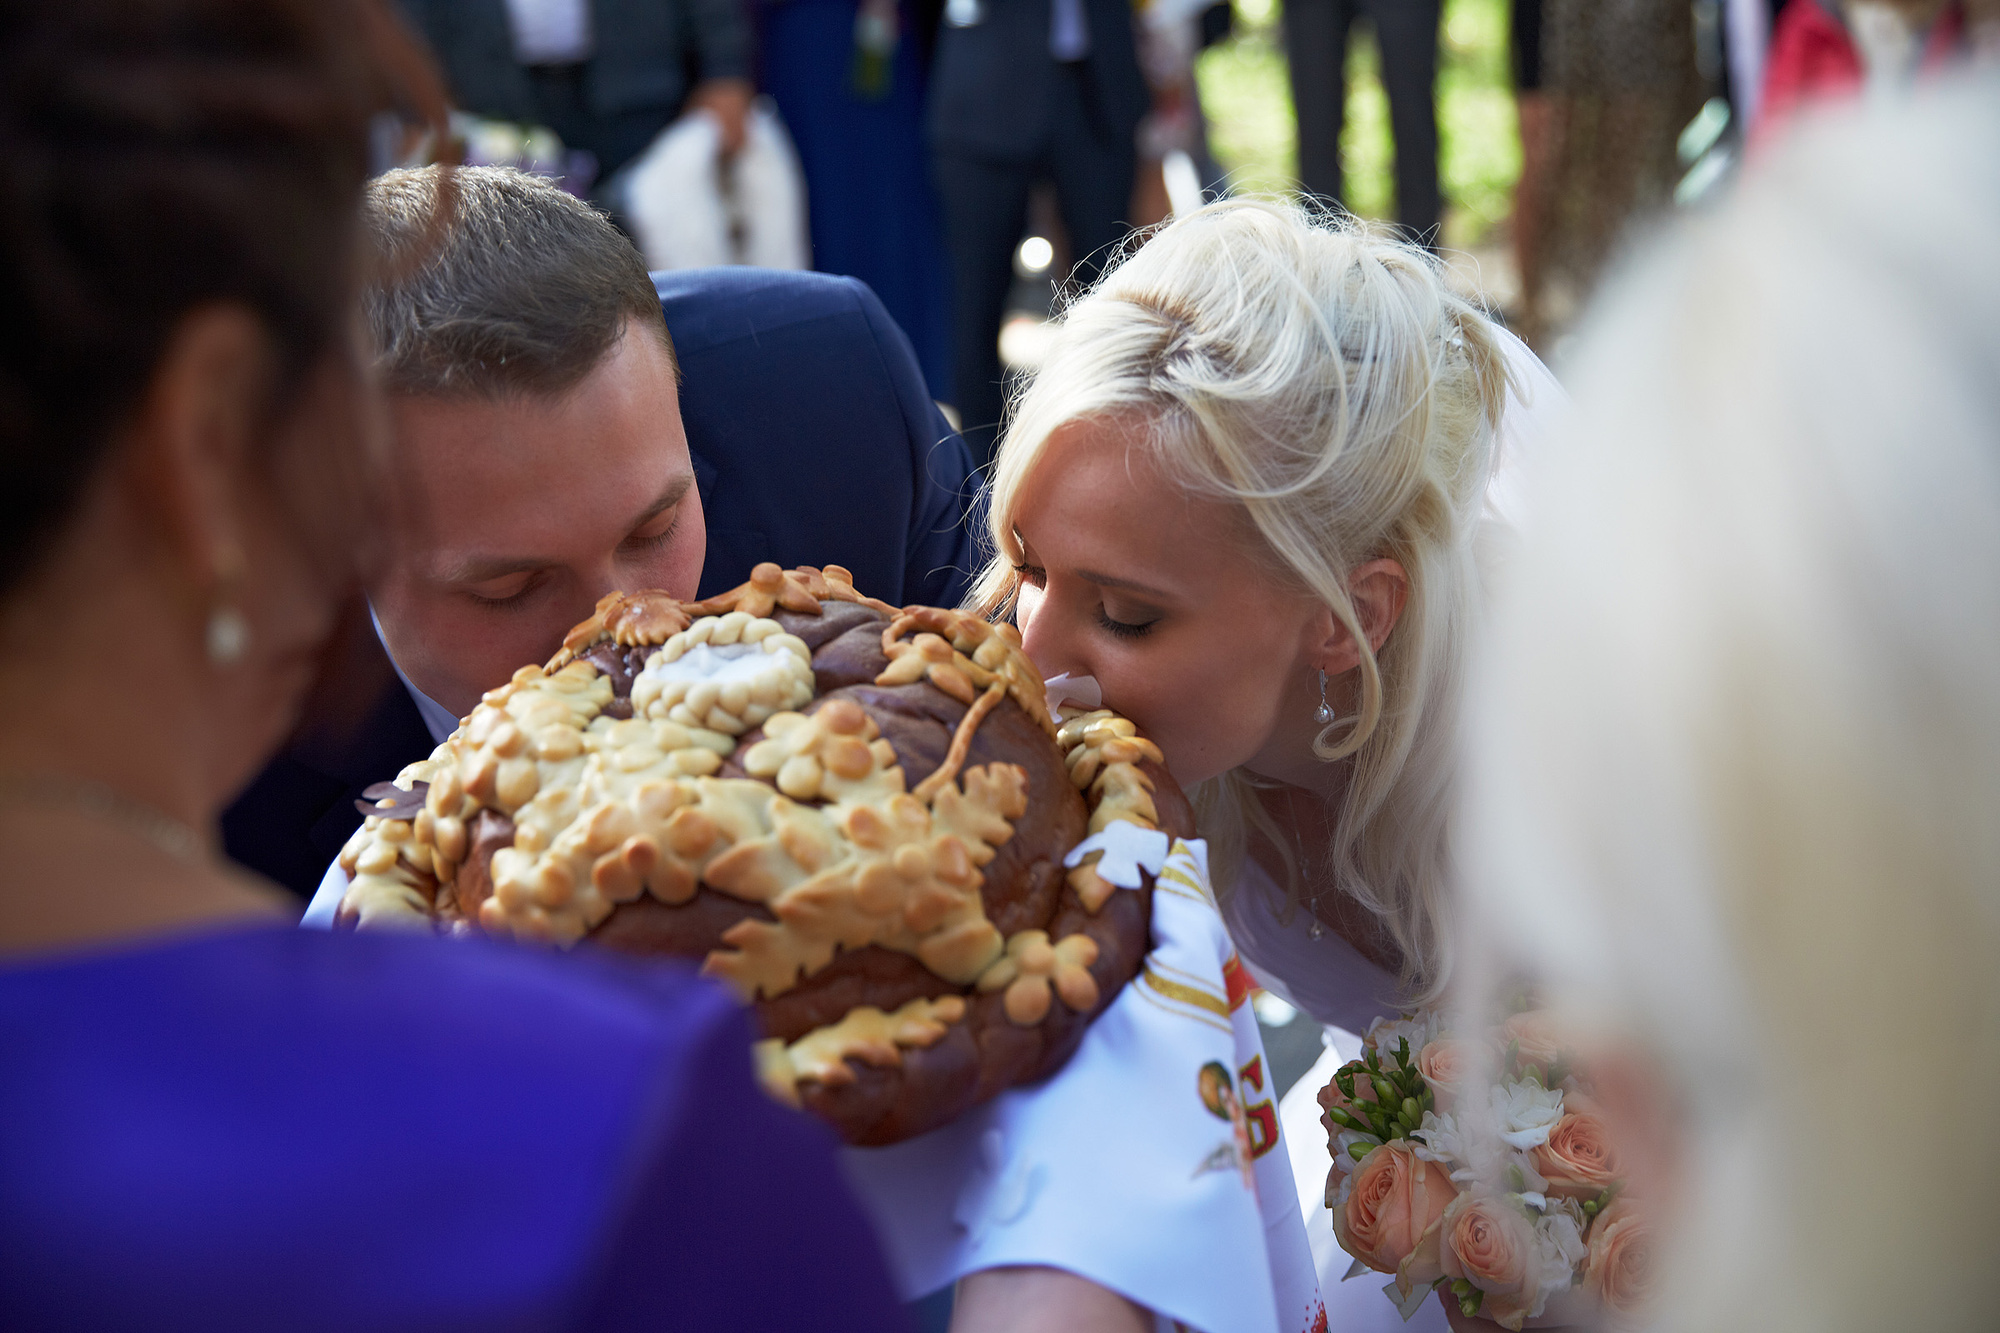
1046 638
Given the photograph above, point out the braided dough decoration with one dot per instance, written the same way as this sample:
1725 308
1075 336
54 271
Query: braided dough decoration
729 781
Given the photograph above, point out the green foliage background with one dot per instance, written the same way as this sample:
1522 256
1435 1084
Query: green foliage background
1251 132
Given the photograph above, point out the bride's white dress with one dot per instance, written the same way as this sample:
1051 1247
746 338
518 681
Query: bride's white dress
1333 984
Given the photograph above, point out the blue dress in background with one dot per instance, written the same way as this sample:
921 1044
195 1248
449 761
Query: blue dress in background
268 1128
869 201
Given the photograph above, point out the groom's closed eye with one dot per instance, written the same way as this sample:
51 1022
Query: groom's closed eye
498 583
662 519
654 534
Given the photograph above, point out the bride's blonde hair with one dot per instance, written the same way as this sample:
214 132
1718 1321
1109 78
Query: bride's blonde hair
1322 376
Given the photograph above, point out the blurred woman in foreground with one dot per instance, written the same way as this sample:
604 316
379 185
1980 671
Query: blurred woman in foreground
1738 763
208 1118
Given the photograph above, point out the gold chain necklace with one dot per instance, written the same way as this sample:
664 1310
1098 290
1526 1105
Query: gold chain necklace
84 796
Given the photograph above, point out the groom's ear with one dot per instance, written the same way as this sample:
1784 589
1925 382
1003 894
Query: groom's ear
1379 590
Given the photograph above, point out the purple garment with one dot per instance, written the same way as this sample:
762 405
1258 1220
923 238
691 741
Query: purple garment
282 1129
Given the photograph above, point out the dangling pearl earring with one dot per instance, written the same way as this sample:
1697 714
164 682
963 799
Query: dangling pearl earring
228 635
1325 715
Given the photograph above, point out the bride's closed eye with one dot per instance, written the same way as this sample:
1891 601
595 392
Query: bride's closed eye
1124 629
1035 576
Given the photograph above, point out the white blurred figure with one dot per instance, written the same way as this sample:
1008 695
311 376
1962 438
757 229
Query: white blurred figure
1736 764
692 203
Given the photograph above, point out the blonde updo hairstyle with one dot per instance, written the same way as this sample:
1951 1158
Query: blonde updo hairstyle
1321 375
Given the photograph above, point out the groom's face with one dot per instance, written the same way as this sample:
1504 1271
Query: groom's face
517 513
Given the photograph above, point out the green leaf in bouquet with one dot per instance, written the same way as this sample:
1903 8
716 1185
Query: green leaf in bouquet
1513 1062
1468 1305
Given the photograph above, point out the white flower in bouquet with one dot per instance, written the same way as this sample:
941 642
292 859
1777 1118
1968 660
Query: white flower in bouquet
1525 1113
1340 1184
1517 1172
1419 1029
1475 1157
1442 1138
1560 1249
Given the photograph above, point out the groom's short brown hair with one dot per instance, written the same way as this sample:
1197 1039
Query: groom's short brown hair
497 283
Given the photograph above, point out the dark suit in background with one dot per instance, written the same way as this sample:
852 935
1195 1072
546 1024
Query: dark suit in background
1406 33
613 103
814 442
1005 113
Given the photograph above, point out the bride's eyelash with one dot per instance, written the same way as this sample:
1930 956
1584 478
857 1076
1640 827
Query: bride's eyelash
1037 576
1120 628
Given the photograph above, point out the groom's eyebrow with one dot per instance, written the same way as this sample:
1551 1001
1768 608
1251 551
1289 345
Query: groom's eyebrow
1123 585
484 569
675 492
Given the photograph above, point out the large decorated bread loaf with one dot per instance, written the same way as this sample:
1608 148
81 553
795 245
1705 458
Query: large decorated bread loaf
855 814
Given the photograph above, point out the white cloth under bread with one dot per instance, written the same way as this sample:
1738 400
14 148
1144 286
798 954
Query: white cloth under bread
1115 1168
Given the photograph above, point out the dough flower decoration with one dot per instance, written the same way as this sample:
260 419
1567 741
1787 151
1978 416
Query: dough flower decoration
1033 971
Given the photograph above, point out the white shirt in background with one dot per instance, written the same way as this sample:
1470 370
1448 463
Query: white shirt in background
551 32
440 723
1069 35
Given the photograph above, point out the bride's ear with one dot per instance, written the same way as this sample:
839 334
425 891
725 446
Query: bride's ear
1379 590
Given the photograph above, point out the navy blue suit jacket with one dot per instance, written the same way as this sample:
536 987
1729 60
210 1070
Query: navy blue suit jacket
993 84
814 443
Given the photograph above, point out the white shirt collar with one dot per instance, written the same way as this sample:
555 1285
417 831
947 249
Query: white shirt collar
439 721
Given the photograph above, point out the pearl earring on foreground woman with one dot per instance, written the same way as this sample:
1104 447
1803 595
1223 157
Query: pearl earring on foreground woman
228 636
1325 714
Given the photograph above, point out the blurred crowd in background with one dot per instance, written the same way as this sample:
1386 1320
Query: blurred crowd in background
971 159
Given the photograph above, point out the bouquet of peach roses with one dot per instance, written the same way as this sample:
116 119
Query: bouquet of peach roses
1478 1165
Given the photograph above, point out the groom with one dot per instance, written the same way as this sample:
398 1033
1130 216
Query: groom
555 442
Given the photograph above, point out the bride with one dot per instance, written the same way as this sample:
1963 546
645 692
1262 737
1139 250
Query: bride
1244 493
